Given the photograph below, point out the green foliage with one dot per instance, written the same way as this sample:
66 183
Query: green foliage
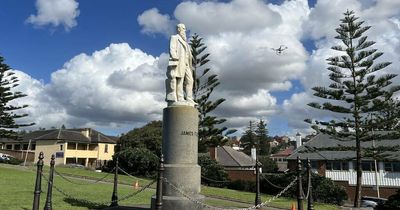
8 113
263 139
268 165
211 131
389 116
357 92
138 161
324 189
393 202
212 172
148 136
249 139
140 149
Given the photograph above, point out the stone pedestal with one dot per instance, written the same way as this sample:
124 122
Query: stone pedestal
180 142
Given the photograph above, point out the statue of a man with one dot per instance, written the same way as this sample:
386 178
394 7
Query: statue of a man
179 72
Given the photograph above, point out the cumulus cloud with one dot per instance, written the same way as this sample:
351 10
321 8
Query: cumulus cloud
153 22
55 13
219 17
114 87
42 109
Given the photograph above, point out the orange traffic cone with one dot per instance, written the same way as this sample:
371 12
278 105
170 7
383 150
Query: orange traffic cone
137 185
293 206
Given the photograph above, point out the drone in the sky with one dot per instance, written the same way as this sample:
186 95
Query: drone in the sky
280 50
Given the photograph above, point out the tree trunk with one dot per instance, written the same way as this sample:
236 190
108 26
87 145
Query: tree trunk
357 198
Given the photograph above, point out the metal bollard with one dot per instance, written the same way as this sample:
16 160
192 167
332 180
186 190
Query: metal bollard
258 198
159 192
114 197
300 197
48 205
38 184
310 198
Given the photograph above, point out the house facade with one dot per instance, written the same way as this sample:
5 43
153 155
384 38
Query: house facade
281 158
237 164
380 177
84 146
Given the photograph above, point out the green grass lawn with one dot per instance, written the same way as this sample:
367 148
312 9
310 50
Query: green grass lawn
17 185
248 197
17 188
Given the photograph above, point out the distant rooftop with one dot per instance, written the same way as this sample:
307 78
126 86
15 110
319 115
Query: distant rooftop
228 157
70 135
314 149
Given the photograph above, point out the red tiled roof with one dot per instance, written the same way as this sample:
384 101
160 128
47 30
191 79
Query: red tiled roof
285 153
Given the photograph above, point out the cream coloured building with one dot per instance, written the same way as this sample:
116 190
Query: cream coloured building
83 146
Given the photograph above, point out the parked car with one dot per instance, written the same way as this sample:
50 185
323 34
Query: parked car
5 156
367 201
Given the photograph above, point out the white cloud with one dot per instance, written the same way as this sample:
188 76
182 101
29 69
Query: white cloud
153 22
114 87
55 13
42 109
324 17
218 17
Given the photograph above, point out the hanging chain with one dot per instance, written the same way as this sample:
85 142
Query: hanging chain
99 203
269 182
78 183
198 202
213 180
126 173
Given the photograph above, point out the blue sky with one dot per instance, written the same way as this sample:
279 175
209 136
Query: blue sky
72 56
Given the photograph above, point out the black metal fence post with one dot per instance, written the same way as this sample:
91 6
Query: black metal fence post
310 197
258 198
159 193
300 197
48 205
38 184
114 197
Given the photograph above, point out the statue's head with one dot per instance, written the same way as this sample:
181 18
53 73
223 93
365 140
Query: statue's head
181 30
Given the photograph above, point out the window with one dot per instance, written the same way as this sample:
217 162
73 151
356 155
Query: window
82 147
17 147
24 146
367 166
9 146
61 147
71 146
33 146
337 165
392 166
106 148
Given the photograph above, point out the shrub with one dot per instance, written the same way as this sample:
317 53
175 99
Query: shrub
138 161
324 189
213 174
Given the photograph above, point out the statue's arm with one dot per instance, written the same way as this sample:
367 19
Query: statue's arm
173 48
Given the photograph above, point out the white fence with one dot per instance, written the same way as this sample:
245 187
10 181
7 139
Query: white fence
390 179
